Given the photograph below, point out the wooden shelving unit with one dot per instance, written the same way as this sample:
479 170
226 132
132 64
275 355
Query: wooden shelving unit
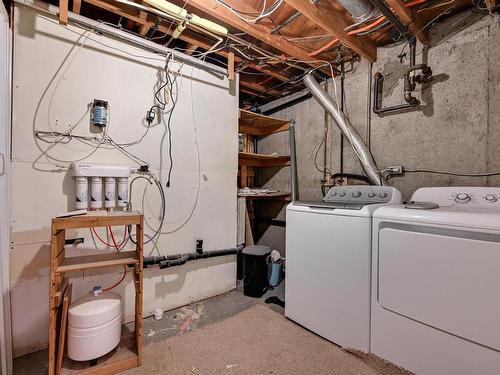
252 126
128 354
259 160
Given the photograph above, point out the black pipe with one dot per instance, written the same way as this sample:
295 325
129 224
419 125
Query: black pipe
391 17
287 104
180 259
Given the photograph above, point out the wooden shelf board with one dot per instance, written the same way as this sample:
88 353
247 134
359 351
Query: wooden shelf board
257 124
97 261
97 219
281 195
258 160
123 357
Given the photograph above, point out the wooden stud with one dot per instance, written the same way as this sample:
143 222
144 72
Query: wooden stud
77 6
410 19
63 12
230 66
334 22
62 328
248 229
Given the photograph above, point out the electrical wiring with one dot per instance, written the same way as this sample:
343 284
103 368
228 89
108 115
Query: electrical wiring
446 11
162 207
486 174
198 158
263 14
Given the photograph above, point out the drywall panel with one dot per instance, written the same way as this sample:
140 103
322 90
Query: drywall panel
58 71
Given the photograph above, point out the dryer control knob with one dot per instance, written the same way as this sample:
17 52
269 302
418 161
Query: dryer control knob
356 194
371 194
342 193
462 198
490 198
383 194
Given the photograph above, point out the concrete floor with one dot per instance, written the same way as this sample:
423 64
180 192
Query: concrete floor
175 322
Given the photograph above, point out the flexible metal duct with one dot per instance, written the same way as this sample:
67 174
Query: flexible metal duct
360 10
363 153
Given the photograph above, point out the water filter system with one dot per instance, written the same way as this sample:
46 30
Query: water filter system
104 179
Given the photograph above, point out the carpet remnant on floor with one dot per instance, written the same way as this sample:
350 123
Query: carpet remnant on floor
383 366
255 341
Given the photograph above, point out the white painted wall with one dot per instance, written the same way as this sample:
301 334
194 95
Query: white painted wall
57 72
5 114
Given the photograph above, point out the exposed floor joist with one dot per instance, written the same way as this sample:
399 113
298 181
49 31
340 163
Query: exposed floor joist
410 19
331 21
260 32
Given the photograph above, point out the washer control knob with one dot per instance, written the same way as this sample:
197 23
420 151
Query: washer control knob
371 194
383 194
342 193
356 194
462 198
490 198
333 194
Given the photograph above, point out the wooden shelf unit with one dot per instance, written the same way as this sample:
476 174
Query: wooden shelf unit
253 126
281 195
249 159
128 354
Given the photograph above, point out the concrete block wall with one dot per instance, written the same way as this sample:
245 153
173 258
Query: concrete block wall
457 127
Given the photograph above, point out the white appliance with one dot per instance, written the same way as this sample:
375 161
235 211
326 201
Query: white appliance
328 255
436 282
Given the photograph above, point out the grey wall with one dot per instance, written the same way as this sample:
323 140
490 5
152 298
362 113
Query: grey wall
456 129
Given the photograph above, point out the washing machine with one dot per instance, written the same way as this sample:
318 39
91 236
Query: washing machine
328 262
436 282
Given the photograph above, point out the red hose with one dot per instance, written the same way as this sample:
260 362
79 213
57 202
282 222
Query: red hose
124 266
118 247
368 27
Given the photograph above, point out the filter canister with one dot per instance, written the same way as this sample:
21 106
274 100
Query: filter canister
122 191
109 192
81 193
95 192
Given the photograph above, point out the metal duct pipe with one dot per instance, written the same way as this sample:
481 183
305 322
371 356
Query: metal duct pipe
365 157
360 10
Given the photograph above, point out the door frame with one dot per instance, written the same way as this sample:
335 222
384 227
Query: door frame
5 129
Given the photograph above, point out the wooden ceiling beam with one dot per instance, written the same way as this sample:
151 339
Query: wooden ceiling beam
329 19
216 10
185 36
412 20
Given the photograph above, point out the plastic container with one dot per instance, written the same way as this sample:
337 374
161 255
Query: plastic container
276 273
256 270
94 326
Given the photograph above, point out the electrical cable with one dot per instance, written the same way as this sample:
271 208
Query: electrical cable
486 174
162 207
263 14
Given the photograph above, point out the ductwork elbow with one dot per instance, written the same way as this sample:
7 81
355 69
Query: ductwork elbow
340 119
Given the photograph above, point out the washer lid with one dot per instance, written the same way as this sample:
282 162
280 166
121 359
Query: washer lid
472 217
92 311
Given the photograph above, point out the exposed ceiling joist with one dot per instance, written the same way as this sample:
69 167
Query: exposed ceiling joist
185 36
214 9
410 19
332 21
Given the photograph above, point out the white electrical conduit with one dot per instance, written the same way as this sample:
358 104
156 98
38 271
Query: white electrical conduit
360 149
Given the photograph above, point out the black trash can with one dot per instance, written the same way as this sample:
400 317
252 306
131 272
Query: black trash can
255 270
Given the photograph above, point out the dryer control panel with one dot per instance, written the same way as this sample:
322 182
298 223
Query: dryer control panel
451 196
363 194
